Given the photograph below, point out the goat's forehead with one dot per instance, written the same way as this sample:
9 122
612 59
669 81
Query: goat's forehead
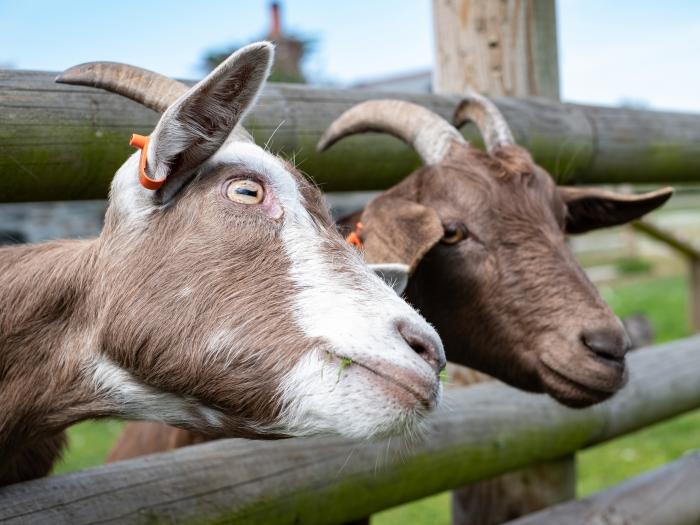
499 180
475 192
255 159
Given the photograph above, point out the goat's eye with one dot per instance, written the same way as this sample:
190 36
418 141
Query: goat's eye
245 191
454 233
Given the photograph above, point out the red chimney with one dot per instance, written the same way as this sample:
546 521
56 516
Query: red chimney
275 25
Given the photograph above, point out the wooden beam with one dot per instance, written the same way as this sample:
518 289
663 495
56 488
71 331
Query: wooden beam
694 291
666 496
64 143
506 48
684 247
332 480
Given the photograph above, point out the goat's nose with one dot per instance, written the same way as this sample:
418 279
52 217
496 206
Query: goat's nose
427 345
610 341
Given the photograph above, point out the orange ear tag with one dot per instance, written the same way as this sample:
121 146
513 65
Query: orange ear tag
354 237
141 142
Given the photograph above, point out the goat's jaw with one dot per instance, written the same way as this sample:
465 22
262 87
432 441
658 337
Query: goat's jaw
582 381
326 395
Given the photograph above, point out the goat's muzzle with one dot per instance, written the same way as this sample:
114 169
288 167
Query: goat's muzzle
588 370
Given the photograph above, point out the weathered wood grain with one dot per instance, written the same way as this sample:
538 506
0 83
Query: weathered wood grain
666 496
62 142
506 48
508 496
490 429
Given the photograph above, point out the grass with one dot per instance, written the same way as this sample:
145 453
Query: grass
89 443
663 300
634 265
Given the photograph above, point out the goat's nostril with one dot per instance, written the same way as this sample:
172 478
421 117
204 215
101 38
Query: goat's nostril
426 346
607 342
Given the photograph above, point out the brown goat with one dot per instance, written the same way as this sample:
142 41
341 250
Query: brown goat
497 231
501 284
219 297
484 237
485 233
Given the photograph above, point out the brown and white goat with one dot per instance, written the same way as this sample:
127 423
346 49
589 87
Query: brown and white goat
483 235
224 302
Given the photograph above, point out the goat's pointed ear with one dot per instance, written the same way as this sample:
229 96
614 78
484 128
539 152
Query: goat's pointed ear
396 230
590 208
196 125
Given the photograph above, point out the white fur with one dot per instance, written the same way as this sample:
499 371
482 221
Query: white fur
135 400
325 399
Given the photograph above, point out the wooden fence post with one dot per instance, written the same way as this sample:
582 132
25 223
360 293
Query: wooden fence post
505 48
694 291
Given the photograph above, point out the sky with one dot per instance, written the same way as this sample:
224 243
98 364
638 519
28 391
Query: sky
640 52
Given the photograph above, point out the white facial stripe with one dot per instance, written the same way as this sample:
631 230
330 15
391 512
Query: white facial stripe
134 400
330 304
346 304
343 303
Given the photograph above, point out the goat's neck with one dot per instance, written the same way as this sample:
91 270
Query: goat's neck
46 340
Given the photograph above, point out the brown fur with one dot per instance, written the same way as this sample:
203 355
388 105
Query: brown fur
511 295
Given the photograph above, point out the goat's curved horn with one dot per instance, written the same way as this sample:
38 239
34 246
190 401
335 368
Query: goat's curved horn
487 117
429 134
151 89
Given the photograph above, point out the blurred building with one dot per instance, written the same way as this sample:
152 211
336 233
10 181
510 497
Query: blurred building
290 50
418 82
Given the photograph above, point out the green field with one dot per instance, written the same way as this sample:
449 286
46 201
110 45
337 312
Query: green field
663 300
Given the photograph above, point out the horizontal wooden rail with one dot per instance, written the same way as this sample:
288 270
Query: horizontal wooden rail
684 247
483 431
665 496
65 143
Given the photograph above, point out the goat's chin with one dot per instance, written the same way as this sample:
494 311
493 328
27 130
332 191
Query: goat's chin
581 380
356 400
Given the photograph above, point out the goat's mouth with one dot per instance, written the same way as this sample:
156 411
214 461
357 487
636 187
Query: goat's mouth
583 379
409 388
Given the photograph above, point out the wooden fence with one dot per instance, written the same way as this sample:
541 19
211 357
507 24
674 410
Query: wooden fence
485 430
65 143
61 142
661 497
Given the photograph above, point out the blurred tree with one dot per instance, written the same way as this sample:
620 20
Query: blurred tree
290 51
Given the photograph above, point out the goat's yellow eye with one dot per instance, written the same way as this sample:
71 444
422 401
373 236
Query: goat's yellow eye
245 191
454 233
